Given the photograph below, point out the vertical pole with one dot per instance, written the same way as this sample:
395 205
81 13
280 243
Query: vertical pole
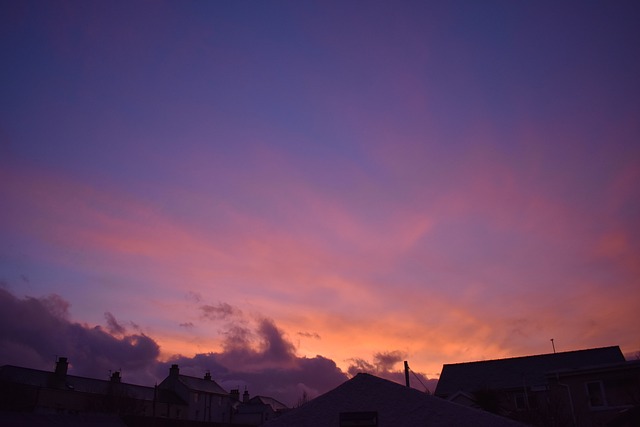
406 373
553 345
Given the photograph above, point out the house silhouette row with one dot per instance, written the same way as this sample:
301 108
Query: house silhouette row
584 388
178 397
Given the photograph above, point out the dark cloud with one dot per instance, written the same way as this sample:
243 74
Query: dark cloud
186 325
314 335
383 366
222 311
265 362
55 305
256 350
33 331
360 365
274 346
236 337
383 362
112 325
387 360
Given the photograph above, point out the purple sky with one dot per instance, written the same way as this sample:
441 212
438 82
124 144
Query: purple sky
311 188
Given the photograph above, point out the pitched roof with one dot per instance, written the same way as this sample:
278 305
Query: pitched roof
396 405
264 400
45 379
517 372
26 376
201 385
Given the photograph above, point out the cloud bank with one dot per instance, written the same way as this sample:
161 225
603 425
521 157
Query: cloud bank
33 331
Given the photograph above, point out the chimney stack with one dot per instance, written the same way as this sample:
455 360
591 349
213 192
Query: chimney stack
245 396
61 367
174 371
235 394
207 376
115 377
406 373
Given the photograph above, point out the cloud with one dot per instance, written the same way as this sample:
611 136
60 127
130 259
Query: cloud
383 366
221 311
33 331
387 360
113 326
314 335
265 362
194 296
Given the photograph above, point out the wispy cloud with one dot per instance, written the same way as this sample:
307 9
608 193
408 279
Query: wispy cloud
221 311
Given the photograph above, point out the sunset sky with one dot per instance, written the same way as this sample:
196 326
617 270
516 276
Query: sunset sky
350 184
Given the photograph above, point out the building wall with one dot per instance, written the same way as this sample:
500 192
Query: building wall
209 407
596 396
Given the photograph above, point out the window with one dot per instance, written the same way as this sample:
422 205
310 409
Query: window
595 392
521 401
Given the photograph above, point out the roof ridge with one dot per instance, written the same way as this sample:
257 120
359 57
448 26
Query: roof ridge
535 355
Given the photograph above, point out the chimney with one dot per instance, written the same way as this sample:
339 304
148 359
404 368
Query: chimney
61 367
174 371
115 377
245 396
207 376
235 394
406 373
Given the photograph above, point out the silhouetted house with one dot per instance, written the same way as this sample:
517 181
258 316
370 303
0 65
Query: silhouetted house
366 400
196 399
257 410
519 387
606 394
32 390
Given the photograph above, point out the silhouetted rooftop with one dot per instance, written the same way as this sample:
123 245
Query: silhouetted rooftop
263 400
45 379
395 404
200 384
518 371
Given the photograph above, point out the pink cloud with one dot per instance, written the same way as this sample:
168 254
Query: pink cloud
317 260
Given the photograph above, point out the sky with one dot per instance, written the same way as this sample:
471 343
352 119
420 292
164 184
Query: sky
286 193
